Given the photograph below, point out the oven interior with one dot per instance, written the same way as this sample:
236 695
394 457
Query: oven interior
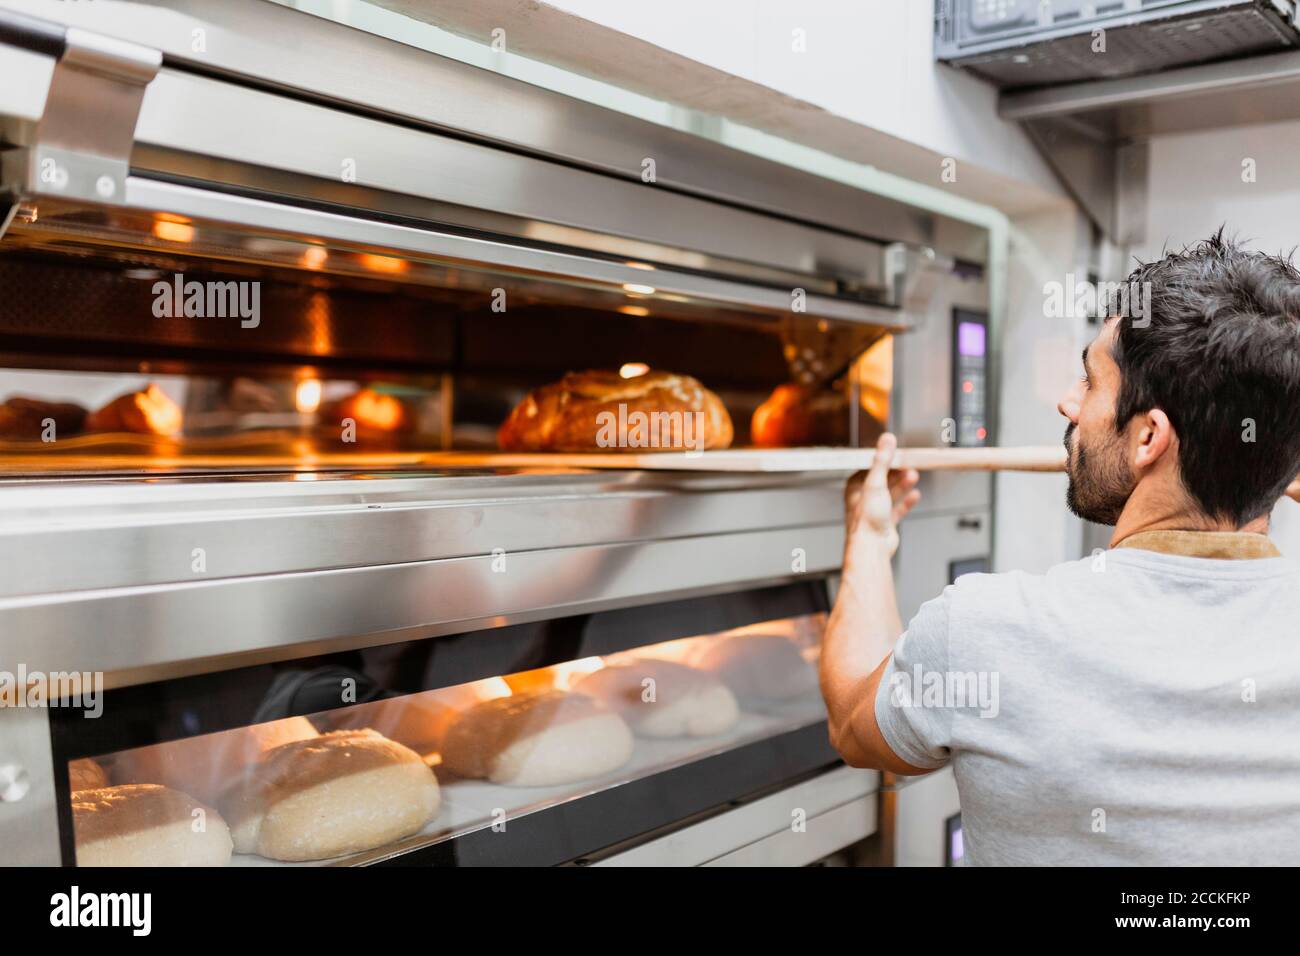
743 664
345 359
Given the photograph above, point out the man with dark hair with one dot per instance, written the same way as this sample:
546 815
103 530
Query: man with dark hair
1142 705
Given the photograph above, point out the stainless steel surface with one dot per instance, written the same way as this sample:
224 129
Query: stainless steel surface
921 405
242 125
328 62
87 535
928 545
280 234
1094 133
1202 83
437 575
838 808
81 147
1030 44
28 827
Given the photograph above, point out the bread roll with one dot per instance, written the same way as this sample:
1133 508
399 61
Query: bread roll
147 825
375 413
537 740
146 412
663 699
206 766
25 418
339 793
86 774
758 667
602 411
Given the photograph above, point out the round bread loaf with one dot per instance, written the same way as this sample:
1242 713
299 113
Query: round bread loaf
147 825
147 412
758 666
86 774
663 699
339 793
207 766
537 740
376 413
602 411
796 414
25 418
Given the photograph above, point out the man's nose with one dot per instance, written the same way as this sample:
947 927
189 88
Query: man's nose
1069 405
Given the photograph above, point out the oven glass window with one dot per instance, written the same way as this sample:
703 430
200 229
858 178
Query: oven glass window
365 781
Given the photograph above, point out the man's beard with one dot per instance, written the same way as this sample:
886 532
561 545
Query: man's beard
1100 479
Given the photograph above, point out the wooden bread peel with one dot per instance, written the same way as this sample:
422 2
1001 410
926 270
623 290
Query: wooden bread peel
1032 458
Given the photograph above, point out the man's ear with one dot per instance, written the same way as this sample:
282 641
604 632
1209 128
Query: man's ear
1155 438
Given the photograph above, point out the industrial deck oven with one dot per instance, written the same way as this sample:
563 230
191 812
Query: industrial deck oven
269 284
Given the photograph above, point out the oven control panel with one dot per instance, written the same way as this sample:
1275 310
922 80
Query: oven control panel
969 376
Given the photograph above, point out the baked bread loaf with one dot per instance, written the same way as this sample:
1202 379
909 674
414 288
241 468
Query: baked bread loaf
146 412
375 413
538 739
147 825
602 411
663 699
86 774
339 793
25 418
758 667
207 766
796 414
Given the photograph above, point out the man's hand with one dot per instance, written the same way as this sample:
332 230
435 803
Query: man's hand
876 500
1293 490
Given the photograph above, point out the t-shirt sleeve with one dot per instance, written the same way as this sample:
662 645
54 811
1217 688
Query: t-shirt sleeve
917 729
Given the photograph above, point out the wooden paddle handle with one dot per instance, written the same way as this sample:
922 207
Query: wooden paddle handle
1029 458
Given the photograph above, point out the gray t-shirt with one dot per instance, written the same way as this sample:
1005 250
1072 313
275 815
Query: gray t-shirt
1132 708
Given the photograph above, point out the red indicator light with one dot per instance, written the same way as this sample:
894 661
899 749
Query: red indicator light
967 387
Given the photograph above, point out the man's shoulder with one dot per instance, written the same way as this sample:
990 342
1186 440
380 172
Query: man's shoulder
1009 596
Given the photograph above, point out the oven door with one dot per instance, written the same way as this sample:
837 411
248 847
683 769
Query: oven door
536 743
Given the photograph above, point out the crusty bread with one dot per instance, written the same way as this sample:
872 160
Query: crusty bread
581 412
147 412
86 774
147 825
796 414
207 766
375 413
757 666
537 740
339 793
663 699
25 418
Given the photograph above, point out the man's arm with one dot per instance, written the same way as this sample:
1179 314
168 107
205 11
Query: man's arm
864 623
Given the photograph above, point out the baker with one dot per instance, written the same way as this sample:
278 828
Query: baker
1148 704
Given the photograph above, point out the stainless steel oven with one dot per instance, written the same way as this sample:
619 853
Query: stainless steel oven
216 247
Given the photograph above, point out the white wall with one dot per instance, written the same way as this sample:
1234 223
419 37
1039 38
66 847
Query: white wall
1196 185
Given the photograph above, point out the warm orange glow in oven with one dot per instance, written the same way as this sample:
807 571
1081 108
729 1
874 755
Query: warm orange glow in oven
637 310
633 370
388 264
173 229
313 257
306 397
377 410
638 289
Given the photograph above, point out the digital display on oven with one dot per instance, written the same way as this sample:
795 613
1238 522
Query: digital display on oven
969 376
970 339
955 850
